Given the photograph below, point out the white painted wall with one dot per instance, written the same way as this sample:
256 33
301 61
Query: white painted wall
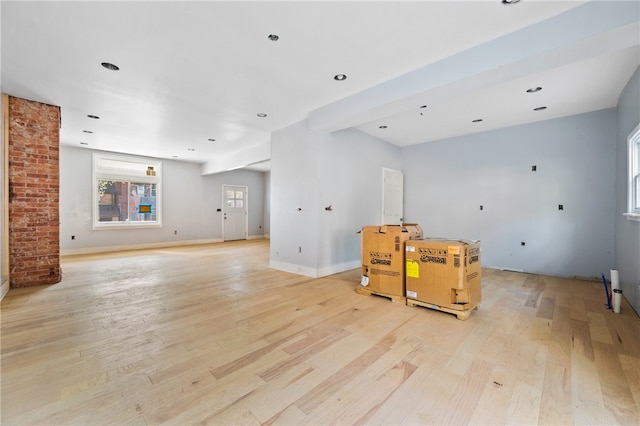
189 206
447 181
312 170
627 232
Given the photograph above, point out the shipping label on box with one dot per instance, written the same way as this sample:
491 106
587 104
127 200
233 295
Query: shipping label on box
383 256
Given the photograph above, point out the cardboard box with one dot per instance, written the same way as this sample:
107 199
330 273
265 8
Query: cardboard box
444 272
383 256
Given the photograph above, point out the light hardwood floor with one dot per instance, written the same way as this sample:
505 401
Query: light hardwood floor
211 335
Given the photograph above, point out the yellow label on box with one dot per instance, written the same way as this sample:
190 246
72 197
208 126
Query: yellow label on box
454 250
412 269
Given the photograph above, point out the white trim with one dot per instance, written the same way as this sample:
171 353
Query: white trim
632 216
256 237
294 269
339 267
311 272
162 244
126 177
504 268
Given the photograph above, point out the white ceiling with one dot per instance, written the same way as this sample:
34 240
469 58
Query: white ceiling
190 71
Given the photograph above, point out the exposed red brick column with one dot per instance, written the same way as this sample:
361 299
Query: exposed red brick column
34 188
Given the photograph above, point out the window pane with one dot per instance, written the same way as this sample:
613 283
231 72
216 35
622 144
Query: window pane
129 191
239 195
112 203
230 194
239 203
142 202
229 203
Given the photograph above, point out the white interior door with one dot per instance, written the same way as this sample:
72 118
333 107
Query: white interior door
234 222
392 197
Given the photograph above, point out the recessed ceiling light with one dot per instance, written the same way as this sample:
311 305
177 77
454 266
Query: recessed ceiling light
382 127
534 89
211 140
261 114
110 66
95 117
510 1
273 37
540 108
477 120
174 156
340 77
191 149
87 131
83 143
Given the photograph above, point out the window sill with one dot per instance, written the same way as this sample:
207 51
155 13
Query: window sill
125 226
632 216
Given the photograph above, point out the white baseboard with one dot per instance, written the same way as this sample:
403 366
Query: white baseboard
503 268
256 237
105 249
312 272
294 269
339 267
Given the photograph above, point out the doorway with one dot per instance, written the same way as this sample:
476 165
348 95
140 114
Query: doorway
234 212
392 197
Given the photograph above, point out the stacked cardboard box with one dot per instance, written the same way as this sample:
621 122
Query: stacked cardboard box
443 272
383 257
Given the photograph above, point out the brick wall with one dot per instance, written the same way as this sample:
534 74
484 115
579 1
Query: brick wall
34 214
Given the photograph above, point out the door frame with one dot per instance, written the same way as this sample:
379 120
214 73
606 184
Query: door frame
246 209
400 195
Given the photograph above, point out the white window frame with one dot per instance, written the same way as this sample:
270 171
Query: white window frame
633 183
128 176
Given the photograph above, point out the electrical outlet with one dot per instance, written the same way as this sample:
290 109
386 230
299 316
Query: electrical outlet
299 249
175 232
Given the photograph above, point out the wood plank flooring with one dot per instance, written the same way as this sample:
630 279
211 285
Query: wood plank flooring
211 335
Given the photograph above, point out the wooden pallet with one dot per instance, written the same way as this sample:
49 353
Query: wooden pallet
393 298
462 315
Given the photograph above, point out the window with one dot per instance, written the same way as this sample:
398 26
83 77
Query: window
633 211
126 192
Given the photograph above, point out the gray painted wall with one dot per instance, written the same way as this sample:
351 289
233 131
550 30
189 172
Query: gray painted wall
255 181
267 204
447 181
627 232
189 205
313 170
